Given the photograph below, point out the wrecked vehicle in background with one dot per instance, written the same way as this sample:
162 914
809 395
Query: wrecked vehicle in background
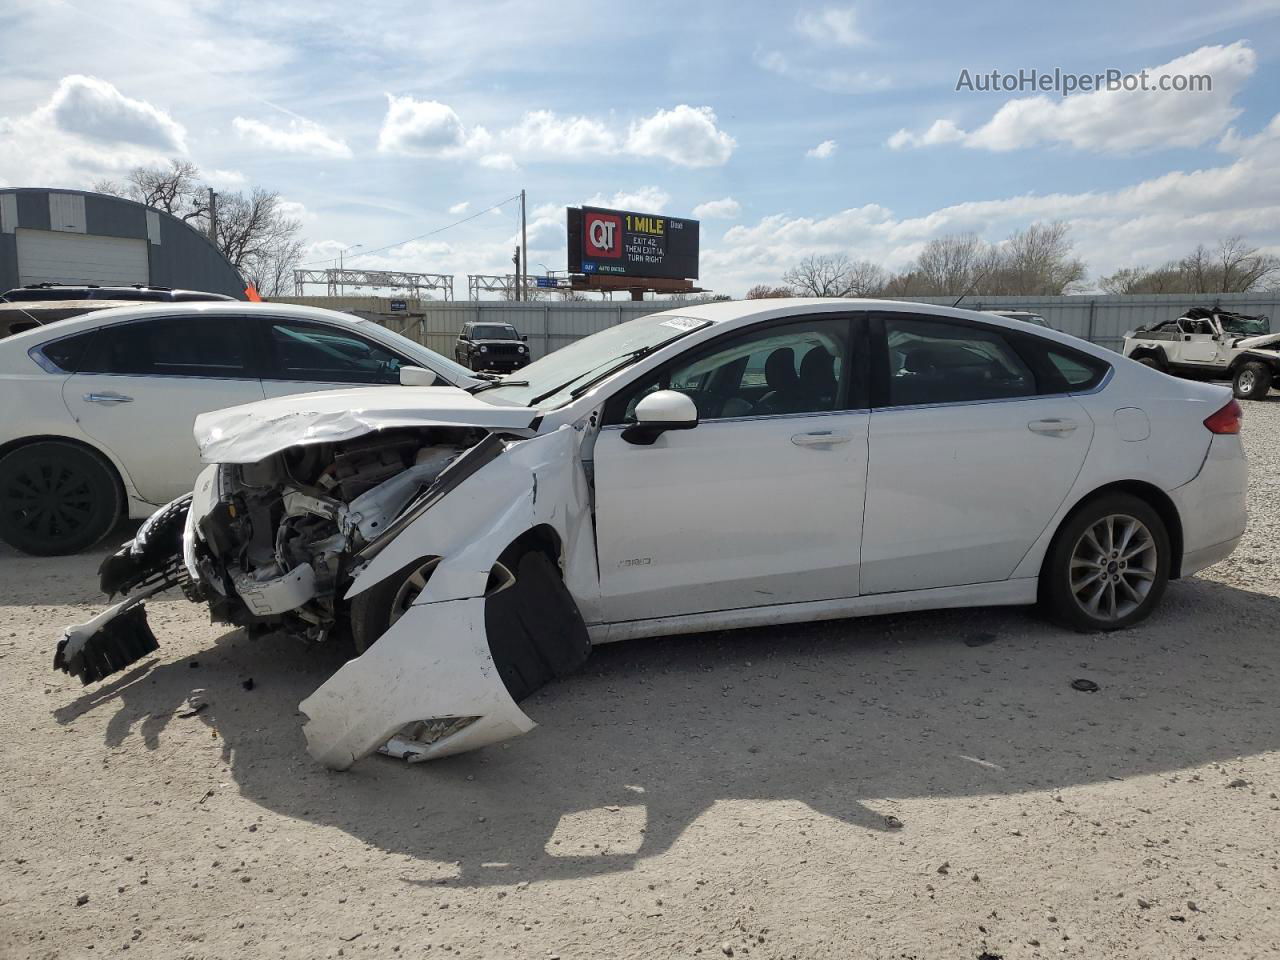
729 465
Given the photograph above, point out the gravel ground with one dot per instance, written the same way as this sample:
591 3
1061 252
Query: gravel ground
913 786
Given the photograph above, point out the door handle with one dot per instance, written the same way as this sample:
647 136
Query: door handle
108 398
1054 426
820 438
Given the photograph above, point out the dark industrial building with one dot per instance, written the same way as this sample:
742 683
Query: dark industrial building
70 236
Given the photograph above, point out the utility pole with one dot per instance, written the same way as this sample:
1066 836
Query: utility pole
524 247
213 217
515 259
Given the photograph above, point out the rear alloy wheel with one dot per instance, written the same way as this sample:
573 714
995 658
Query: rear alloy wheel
1108 566
1252 381
56 498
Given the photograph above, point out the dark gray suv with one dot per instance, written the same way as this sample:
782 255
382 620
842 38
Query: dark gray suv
491 346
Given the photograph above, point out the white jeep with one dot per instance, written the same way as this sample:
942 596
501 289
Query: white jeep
1212 344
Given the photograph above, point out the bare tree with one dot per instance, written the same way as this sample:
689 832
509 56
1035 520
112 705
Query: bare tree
1037 261
271 267
820 275
255 232
866 279
762 291
1131 280
176 191
949 265
1231 267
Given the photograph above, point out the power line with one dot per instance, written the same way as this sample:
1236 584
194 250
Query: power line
423 236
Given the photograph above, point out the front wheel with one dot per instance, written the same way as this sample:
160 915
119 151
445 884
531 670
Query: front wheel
1108 565
1153 363
1252 381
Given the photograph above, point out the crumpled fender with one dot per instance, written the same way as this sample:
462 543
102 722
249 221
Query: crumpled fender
435 662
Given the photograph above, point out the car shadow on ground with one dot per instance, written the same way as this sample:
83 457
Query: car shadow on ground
845 717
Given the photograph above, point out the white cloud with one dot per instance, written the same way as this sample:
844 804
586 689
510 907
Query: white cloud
940 131
297 211
85 131
95 109
726 209
420 128
823 151
224 179
834 26
1148 222
298 136
642 200
684 135
460 207
542 133
1112 121
830 79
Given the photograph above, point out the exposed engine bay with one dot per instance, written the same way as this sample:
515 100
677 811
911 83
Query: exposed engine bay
295 542
278 546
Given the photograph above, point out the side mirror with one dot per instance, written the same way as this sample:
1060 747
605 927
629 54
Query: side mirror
524 339
659 412
416 377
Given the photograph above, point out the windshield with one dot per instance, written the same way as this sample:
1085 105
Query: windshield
494 331
1241 325
549 381
420 354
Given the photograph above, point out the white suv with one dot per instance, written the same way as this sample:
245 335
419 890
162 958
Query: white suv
1212 344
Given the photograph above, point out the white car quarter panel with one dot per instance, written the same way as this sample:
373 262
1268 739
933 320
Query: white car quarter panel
1171 456
1213 505
733 513
957 494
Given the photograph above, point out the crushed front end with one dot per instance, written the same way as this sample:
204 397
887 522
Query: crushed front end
288 544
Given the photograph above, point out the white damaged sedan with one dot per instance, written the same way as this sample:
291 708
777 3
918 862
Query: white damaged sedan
721 465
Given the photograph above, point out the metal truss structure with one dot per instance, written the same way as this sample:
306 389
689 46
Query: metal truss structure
336 281
505 284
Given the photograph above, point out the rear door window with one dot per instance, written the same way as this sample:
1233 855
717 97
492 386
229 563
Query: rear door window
65 354
931 361
190 346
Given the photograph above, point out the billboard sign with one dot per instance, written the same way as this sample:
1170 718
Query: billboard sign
623 243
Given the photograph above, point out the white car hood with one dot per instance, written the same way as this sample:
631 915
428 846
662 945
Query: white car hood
1267 341
253 431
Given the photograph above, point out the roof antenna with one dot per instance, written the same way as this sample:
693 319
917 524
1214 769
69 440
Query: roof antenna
976 280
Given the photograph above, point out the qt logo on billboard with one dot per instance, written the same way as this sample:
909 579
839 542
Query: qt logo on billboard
602 236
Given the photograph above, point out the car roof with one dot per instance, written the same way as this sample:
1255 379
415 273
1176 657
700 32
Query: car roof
99 318
740 312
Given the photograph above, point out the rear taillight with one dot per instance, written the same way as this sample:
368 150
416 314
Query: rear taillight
1226 420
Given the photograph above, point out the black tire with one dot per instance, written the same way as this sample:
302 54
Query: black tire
374 610
1066 594
534 628
1252 381
1152 362
57 498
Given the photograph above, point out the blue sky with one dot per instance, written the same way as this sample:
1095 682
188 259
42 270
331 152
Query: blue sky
386 121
